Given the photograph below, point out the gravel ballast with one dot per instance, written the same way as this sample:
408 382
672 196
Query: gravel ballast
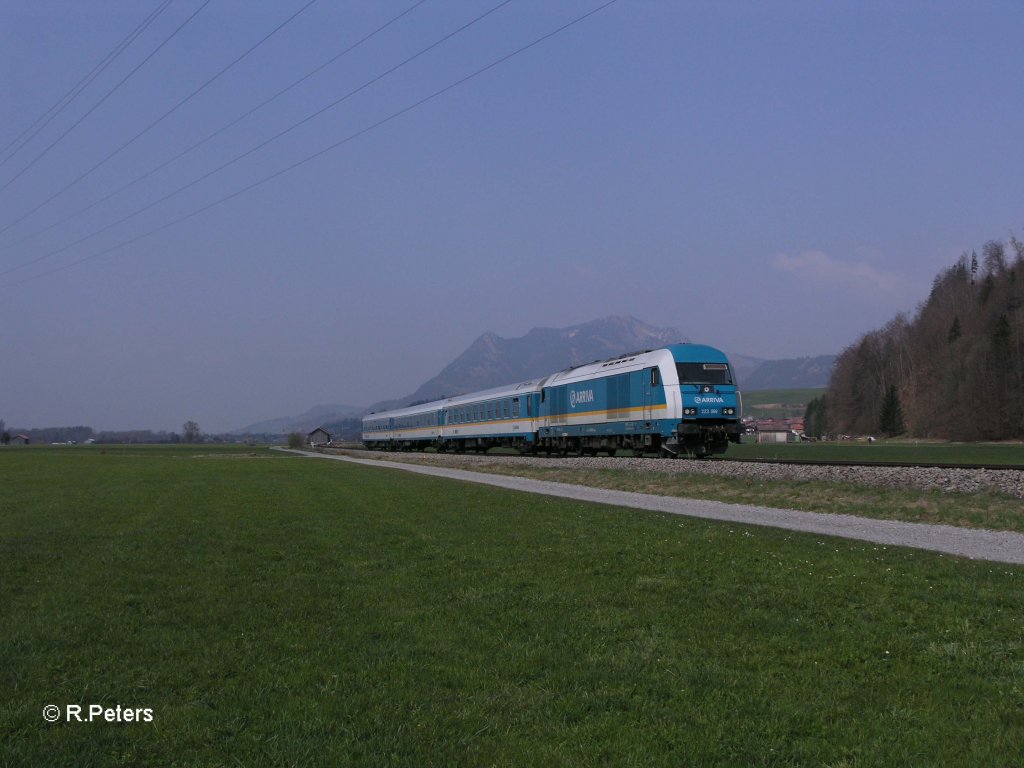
998 546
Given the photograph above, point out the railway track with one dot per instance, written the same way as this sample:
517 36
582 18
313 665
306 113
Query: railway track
950 478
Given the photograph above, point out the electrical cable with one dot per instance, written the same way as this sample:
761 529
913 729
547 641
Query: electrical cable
203 141
105 97
319 153
264 143
173 109
47 117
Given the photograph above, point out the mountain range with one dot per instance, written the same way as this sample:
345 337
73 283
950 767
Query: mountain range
796 373
493 361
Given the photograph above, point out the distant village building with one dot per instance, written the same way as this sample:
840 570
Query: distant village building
778 430
318 436
774 435
23 438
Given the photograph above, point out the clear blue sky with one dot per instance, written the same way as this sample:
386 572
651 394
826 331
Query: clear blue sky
773 179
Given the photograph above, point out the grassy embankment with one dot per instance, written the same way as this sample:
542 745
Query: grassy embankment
273 610
982 509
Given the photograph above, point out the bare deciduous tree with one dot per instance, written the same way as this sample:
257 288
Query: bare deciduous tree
956 370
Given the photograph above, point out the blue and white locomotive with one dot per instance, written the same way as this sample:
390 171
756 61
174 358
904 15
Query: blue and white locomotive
678 400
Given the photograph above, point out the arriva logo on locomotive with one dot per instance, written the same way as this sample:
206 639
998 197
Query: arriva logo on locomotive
583 396
699 400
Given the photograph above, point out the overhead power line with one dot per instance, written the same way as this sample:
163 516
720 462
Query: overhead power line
107 95
169 112
47 117
266 142
309 158
203 141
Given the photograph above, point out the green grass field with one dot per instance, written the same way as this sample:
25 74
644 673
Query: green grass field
275 610
778 403
900 451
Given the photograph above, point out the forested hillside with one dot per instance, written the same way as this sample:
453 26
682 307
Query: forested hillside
955 370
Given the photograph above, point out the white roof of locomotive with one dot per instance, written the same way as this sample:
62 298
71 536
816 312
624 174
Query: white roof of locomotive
634 361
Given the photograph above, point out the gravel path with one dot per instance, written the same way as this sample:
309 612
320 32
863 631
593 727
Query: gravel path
998 546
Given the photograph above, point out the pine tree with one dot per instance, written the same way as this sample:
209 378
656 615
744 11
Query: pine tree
816 418
955 330
892 414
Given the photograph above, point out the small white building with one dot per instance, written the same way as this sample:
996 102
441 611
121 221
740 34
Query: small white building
773 435
778 430
318 436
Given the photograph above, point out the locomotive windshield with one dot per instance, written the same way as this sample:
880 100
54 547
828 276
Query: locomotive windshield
704 373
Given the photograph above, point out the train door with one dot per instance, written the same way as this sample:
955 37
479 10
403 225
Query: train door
554 404
649 380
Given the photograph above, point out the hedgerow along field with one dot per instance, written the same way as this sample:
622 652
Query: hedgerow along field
276 610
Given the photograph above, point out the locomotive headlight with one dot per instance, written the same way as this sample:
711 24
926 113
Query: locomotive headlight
729 411
689 411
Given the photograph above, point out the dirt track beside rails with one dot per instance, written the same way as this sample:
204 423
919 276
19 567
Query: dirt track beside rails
998 546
